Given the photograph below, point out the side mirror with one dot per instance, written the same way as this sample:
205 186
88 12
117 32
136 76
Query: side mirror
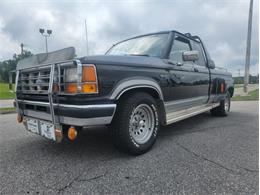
190 55
211 64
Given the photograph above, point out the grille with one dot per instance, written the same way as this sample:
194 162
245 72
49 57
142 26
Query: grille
34 81
37 81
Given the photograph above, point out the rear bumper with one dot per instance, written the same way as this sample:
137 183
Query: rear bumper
77 115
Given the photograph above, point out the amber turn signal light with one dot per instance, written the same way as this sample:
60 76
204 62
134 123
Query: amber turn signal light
71 88
88 88
19 118
89 74
72 133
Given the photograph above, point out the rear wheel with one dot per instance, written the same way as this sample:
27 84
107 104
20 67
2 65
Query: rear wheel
224 107
135 125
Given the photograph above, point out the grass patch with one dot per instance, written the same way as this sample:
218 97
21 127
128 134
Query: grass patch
252 95
238 86
4 91
7 110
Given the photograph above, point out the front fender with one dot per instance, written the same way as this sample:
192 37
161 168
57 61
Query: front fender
135 82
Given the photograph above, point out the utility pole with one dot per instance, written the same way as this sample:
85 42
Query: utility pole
22 45
248 46
238 72
86 30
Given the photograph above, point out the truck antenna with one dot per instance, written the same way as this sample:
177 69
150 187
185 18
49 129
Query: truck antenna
86 31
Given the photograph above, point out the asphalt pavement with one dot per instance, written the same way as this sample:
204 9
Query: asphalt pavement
200 155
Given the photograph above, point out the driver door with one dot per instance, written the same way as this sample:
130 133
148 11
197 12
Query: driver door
185 90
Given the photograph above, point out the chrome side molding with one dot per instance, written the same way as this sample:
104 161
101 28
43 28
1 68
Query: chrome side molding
47 104
186 113
178 105
135 82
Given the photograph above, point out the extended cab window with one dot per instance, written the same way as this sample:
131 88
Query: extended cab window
201 61
180 45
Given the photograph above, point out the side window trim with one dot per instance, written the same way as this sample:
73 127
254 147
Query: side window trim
203 53
184 38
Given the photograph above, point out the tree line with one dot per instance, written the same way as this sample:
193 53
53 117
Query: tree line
252 79
8 65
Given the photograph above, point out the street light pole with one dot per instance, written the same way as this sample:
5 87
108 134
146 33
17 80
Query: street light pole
248 46
46 43
41 30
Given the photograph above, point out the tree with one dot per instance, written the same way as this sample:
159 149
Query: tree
9 65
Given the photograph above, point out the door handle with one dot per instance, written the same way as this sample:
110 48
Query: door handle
174 63
196 70
164 76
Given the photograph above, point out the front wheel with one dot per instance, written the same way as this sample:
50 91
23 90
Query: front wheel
224 107
135 125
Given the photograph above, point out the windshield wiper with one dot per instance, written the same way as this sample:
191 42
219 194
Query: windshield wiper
139 55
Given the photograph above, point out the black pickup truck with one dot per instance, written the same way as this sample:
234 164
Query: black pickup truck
140 84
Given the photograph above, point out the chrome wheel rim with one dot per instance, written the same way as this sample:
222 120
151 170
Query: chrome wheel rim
142 123
227 104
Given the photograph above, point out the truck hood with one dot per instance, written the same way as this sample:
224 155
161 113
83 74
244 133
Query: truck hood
123 60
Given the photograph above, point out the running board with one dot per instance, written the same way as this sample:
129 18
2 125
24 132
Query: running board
187 113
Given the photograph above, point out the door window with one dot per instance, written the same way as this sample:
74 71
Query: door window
201 61
180 45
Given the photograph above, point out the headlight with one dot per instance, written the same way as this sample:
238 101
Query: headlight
71 75
88 84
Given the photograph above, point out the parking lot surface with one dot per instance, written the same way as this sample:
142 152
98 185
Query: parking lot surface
200 155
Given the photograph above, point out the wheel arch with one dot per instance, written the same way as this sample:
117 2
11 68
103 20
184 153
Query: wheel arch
134 85
231 91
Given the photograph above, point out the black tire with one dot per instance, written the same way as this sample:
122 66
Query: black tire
224 107
123 131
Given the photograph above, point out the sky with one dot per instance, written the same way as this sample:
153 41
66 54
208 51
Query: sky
221 24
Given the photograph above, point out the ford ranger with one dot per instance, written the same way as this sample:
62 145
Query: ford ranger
140 84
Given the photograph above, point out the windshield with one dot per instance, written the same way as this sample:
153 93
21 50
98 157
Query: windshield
149 45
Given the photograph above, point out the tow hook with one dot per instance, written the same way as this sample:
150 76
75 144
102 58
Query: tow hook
58 135
19 118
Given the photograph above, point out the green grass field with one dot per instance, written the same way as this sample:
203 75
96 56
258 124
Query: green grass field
252 95
4 91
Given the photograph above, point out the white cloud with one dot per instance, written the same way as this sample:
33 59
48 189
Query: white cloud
221 24
8 46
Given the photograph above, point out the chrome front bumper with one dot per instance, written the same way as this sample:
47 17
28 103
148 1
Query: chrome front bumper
77 115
